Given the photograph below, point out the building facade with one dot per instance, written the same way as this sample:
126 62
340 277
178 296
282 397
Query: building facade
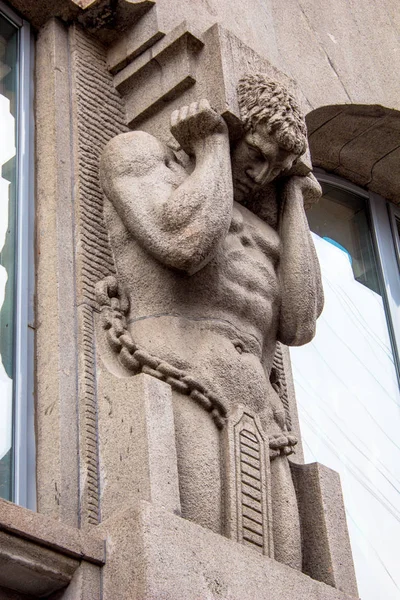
87 468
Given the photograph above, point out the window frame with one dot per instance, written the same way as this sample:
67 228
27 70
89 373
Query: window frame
394 215
386 241
23 440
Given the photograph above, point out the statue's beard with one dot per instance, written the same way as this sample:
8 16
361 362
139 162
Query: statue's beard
264 202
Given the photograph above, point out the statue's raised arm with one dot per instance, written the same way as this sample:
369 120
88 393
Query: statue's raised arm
276 137
177 218
299 272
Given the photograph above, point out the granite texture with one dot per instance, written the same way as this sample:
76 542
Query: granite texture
56 341
326 545
40 557
176 559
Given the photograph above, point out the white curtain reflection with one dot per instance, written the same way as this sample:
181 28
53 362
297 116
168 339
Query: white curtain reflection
348 400
7 151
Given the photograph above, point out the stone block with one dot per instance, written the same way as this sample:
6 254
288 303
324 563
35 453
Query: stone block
29 568
328 142
175 559
325 540
360 155
385 179
133 42
318 117
359 143
23 523
137 443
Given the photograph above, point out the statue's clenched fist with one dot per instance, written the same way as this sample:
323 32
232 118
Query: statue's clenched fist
192 125
309 188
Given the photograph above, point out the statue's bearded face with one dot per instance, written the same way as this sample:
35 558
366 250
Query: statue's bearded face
256 161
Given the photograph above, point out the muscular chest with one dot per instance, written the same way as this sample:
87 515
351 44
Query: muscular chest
251 240
247 260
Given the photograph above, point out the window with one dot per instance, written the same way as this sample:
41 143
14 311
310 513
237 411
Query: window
347 378
16 261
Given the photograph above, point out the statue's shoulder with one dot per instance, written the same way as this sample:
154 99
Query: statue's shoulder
134 144
134 153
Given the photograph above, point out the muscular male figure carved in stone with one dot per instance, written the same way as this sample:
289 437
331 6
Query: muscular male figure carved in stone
219 266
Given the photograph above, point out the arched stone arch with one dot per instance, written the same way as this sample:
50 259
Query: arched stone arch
360 143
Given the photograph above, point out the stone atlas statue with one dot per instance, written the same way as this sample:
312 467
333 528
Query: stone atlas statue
215 267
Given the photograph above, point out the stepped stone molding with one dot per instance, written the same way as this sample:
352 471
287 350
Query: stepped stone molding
99 116
161 73
184 66
133 42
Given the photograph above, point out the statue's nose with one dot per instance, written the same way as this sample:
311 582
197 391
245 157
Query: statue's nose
261 174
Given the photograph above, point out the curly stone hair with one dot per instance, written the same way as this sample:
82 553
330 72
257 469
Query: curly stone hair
263 100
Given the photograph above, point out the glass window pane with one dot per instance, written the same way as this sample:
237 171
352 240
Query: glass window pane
8 184
397 237
347 390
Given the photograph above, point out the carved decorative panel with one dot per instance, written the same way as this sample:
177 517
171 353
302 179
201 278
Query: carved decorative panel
248 506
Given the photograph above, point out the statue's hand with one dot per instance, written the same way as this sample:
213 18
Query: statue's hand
195 125
307 185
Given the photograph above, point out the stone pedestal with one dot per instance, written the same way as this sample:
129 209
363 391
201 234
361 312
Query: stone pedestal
155 555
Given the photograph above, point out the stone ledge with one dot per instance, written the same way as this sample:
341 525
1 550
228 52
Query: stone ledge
95 15
30 568
39 555
48 533
134 41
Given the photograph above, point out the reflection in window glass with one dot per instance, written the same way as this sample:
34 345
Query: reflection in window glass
397 239
8 108
347 391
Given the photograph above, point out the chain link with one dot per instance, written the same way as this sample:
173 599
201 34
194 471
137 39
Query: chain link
114 307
